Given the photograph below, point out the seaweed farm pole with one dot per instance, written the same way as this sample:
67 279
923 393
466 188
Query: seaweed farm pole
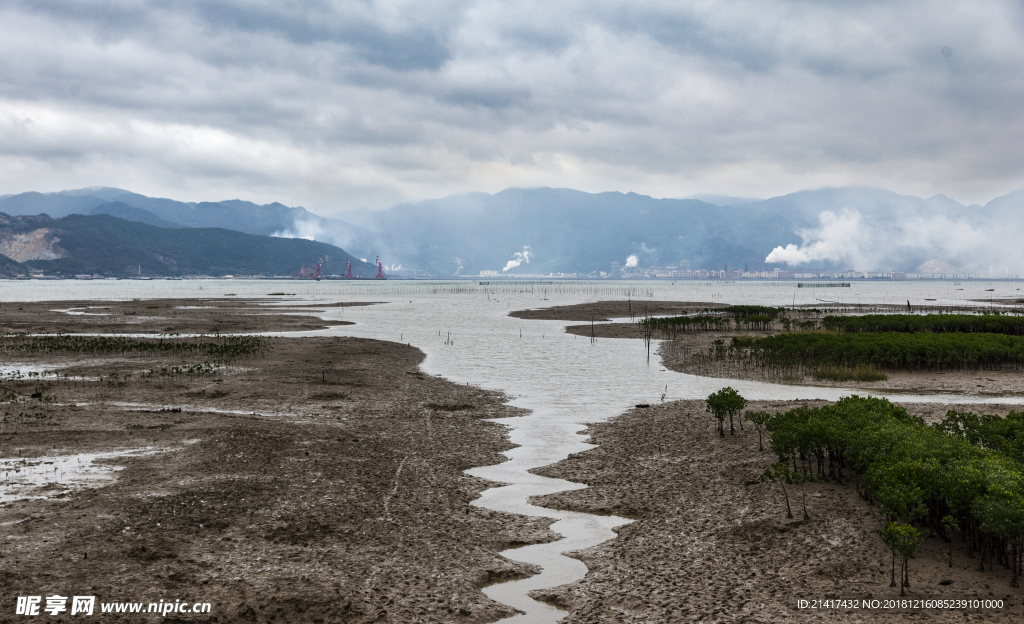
648 331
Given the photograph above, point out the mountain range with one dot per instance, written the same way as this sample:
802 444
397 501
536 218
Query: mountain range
545 230
563 230
102 244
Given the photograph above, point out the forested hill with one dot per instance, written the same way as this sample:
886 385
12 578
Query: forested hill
105 245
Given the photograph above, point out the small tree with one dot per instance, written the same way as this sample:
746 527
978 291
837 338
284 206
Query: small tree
902 541
779 473
725 402
760 419
1001 511
950 524
890 541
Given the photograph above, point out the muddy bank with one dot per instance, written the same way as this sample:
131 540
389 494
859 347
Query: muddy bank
606 310
165 316
320 481
711 543
600 311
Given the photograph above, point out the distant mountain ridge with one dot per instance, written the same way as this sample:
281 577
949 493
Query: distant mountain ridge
556 230
234 214
106 245
122 210
572 231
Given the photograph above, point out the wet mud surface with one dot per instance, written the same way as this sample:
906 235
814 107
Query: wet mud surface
318 482
712 543
605 310
165 316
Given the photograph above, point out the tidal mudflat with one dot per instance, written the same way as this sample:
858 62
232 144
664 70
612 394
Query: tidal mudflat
557 382
312 479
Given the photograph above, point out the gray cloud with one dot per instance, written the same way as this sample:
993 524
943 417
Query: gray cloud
338 106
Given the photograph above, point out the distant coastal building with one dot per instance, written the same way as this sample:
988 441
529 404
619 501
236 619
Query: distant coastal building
488 273
670 270
616 272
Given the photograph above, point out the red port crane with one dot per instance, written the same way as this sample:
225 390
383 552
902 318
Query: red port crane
349 263
380 269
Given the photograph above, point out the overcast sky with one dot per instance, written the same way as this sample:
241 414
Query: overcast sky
346 105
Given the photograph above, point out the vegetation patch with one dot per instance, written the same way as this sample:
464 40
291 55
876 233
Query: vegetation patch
221 348
704 323
743 311
929 323
885 350
964 474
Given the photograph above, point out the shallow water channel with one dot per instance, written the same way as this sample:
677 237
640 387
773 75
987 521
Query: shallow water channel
565 381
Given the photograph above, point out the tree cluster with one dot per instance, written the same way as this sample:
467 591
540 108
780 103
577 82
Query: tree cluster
964 473
743 311
885 350
930 323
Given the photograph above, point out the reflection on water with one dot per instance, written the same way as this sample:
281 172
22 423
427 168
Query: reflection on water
564 380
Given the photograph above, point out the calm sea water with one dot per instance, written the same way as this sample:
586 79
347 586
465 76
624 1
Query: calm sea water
564 380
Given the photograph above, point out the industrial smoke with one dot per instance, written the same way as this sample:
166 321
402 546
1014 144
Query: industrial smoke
519 258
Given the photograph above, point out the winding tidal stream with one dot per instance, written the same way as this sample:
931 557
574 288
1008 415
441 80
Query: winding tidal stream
564 381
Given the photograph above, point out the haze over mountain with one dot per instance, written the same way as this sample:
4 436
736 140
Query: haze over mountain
546 230
563 230
234 214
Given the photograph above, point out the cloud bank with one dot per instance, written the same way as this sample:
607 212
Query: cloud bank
339 106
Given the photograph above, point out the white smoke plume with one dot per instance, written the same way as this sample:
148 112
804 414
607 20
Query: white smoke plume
840 237
308 230
313 230
458 269
868 244
519 258
631 261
